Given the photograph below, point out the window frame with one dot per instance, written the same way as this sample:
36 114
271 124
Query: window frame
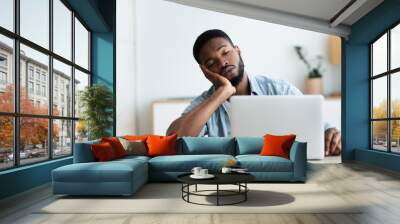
16 114
388 74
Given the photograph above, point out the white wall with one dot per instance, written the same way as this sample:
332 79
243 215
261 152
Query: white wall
166 68
125 67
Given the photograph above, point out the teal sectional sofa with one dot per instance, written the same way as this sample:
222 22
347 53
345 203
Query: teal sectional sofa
125 176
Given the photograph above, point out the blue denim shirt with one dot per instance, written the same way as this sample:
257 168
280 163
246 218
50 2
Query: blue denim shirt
219 124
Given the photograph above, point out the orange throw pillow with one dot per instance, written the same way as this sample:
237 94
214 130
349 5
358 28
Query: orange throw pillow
277 145
116 145
161 145
103 152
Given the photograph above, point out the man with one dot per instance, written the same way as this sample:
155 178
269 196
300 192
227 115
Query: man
222 64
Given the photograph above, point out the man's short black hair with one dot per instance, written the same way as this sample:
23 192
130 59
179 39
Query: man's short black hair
204 38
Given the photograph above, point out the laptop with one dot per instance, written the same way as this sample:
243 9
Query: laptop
280 115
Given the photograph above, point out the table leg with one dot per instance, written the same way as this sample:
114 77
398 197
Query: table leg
182 189
217 194
196 188
245 193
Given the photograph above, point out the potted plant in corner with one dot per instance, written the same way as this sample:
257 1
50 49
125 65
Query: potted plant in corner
96 102
313 84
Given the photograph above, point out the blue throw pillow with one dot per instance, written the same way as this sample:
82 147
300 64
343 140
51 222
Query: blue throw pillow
249 145
206 145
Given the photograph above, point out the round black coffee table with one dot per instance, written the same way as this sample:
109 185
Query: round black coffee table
238 179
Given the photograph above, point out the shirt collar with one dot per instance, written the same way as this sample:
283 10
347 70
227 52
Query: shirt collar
254 88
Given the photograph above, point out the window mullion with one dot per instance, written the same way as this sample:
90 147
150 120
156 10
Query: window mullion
50 81
73 82
371 142
16 84
389 101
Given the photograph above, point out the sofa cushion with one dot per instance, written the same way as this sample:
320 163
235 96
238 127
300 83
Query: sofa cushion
257 163
206 145
116 145
136 137
112 171
185 163
277 145
249 145
83 152
161 145
132 158
103 152
134 147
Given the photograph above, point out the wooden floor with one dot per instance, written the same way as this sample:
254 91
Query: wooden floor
378 188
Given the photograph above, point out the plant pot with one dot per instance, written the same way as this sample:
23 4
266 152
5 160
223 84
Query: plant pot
313 86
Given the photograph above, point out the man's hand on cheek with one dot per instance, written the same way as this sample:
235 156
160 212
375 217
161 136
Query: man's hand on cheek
217 79
333 142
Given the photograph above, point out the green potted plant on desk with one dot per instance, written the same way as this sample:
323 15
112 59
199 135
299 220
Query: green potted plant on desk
313 84
96 102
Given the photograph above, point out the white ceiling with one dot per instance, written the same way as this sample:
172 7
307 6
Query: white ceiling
320 9
315 15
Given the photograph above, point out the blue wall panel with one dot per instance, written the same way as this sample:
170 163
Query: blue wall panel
102 59
356 85
103 63
24 178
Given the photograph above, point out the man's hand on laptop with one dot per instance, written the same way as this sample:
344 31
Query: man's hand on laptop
219 81
333 142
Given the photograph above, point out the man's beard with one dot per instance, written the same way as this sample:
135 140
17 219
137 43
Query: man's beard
236 80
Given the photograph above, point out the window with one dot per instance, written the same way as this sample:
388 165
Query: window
38 89
30 72
7 14
62 75
3 72
34 21
62 29
385 91
81 45
37 75
3 61
33 149
62 137
6 142
81 81
45 131
3 78
30 87
44 91
6 73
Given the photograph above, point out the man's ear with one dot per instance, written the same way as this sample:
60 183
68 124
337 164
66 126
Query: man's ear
237 49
